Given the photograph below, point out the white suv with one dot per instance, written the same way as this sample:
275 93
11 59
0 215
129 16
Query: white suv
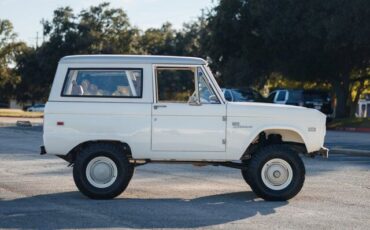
108 114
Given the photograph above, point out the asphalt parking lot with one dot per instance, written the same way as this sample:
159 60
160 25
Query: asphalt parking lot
39 192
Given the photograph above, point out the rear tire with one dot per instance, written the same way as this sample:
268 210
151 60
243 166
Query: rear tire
102 171
275 173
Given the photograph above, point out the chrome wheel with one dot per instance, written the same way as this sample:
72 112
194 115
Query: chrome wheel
277 174
101 172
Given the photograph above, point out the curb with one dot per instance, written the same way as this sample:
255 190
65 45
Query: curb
20 117
351 152
350 129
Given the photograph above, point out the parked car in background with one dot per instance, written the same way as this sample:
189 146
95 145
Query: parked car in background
316 99
288 97
242 95
36 108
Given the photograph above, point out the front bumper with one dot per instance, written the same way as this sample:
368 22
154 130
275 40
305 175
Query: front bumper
324 152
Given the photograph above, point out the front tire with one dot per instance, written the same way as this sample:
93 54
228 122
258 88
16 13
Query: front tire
275 173
102 171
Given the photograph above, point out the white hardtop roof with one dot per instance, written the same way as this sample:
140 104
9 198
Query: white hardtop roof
133 59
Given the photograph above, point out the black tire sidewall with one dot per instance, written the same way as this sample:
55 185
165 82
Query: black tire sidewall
279 152
124 171
244 172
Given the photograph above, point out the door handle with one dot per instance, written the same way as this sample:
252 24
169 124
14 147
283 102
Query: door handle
159 106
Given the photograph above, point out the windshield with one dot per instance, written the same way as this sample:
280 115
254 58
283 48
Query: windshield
213 80
206 93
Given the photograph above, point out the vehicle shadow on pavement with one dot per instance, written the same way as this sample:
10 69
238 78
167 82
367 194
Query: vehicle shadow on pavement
72 210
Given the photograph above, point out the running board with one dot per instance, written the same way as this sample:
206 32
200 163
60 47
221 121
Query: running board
229 164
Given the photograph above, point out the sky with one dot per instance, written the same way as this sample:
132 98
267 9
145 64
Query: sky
27 14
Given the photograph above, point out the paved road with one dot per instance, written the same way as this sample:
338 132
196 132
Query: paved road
38 192
348 140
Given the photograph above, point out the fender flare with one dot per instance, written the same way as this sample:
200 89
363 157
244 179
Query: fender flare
260 129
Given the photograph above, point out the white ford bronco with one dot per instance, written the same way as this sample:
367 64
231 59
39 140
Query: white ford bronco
108 114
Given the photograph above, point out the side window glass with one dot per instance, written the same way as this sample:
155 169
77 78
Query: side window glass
206 93
103 83
175 84
281 96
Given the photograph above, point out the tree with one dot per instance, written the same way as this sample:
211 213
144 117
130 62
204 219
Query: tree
34 86
321 40
188 40
8 49
97 30
106 30
168 41
158 41
235 48
37 66
304 40
100 29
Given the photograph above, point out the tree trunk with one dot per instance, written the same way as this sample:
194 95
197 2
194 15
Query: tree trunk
341 88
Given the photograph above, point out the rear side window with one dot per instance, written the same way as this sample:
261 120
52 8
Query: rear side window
103 83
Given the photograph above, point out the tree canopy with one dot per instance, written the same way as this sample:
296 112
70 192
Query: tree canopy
9 48
304 40
247 43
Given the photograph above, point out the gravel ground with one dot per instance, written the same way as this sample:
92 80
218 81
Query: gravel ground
38 192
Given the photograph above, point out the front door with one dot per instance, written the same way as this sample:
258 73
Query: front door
187 115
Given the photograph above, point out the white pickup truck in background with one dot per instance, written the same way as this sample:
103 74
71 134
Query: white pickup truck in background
107 114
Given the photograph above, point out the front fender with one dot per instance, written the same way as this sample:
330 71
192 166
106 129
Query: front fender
240 138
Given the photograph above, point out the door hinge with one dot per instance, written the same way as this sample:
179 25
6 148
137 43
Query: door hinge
224 118
224 141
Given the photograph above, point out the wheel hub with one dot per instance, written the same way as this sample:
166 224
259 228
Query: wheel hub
277 174
101 172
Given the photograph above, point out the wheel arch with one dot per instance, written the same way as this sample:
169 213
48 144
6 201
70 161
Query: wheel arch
289 135
71 155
